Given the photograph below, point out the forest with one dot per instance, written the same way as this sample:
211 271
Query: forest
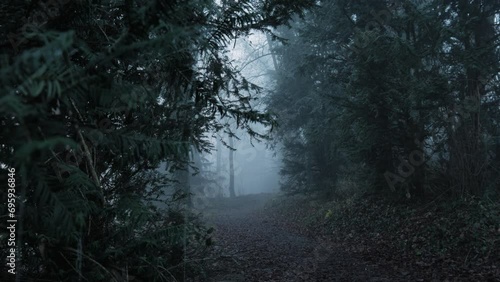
250 140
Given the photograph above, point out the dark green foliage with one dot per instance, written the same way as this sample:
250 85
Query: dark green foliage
94 95
403 94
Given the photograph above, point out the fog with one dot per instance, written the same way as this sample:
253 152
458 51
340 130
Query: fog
256 164
250 140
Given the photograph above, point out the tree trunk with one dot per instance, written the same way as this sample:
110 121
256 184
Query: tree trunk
219 192
219 157
468 158
196 178
271 50
183 184
231 168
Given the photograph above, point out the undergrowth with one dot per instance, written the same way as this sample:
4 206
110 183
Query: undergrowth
465 232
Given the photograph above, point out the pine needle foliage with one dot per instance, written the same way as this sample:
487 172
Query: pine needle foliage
403 93
94 95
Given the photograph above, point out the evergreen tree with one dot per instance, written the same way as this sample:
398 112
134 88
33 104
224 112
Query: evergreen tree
396 91
93 97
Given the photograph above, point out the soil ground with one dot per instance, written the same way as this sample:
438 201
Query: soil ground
251 244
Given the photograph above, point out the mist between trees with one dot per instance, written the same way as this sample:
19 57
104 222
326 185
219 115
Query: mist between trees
125 119
365 88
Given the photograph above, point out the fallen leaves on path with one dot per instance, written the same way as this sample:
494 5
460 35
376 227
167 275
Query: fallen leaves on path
252 245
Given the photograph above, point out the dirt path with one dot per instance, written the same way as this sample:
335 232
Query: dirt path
252 246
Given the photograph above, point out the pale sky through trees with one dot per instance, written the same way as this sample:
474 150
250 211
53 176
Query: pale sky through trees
256 167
